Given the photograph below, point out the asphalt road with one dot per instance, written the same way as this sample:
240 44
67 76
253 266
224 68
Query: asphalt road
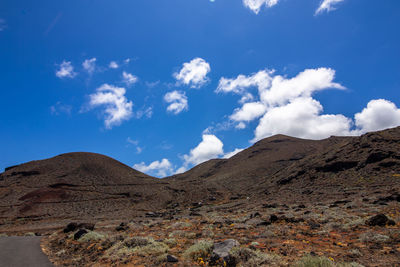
22 251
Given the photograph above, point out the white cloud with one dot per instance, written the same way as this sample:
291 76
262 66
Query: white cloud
248 112
89 65
194 73
233 153
210 147
117 106
129 78
255 5
160 168
66 70
113 65
378 115
177 101
327 5
144 112
301 118
286 106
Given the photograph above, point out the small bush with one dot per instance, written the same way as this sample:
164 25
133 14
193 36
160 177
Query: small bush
92 236
154 249
136 241
373 237
312 261
201 249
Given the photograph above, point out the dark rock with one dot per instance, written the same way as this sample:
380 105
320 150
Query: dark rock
222 251
273 218
25 173
122 227
87 226
171 258
195 214
378 220
70 227
337 166
314 225
269 206
212 198
80 233
11 167
377 156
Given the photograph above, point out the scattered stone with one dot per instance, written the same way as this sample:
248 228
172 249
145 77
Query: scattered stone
171 258
379 220
122 227
80 233
70 227
256 214
222 251
269 206
273 218
73 226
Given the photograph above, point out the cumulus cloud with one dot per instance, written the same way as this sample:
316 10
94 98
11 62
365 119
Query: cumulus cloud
378 115
327 5
286 106
210 147
303 118
129 78
177 102
255 5
89 65
233 153
249 112
117 107
113 65
66 70
193 73
160 168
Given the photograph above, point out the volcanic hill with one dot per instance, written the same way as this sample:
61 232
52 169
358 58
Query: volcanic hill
279 169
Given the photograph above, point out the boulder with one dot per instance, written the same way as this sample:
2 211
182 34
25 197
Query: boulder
70 227
171 258
221 252
80 233
379 220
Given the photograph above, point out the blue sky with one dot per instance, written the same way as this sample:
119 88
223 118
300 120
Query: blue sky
165 85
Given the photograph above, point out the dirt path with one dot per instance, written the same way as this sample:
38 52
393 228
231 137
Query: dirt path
22 251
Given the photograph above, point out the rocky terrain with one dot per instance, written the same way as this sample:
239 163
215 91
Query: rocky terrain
282 202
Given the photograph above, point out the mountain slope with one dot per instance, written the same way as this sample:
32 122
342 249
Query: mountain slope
77 184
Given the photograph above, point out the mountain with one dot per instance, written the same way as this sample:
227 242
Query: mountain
77 185
278 169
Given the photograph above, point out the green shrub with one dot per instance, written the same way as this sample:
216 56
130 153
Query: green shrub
253 258
92 236
201 249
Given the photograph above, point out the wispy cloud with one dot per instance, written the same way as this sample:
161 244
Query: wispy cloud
60 108
327 5
256 5
66 70
128 78
89 65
